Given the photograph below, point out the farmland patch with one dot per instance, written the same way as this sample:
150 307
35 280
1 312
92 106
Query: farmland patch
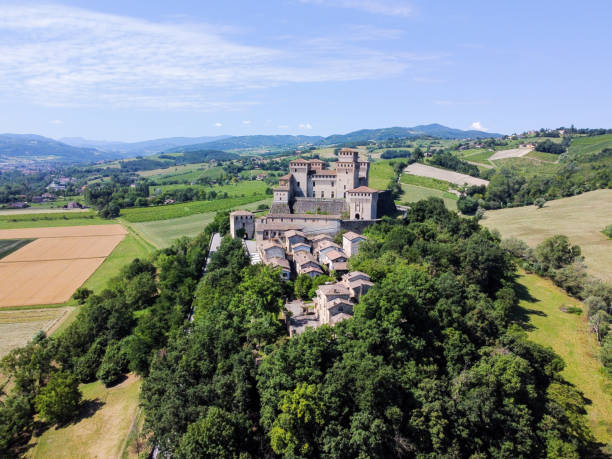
424 170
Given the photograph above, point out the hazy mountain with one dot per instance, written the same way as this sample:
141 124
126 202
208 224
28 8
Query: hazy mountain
433 130
147 147
253 141
36 146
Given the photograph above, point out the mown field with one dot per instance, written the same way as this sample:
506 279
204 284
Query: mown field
413 193
244 187
146 214
588 145
102 428
581 218
567 334
161 233
380 174
42 220
427 182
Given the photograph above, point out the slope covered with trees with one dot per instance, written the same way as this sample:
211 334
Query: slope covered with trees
429 366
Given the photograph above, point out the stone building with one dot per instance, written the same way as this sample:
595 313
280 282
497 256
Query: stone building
242 219
351 242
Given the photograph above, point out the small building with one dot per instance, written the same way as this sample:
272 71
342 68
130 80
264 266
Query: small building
351 242
293 237
300 246
242 220
74 205
304 260
271 249
332 257
283 264
363 202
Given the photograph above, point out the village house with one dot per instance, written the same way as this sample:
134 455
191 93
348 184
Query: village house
271 249
351 242
293 237
332 258
283 264
305 263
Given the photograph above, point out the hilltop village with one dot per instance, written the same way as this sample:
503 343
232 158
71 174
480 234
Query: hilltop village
311 206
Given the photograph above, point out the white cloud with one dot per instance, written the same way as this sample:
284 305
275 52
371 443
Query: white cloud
246 122
218 124
57 122
477 125
305 126
56 55
283 126
386 7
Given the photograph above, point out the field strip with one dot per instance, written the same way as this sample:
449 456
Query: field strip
424 170
66 231
513 153
66 248
43 282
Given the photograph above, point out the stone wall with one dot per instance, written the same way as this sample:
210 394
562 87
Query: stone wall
357 226
319 205
278 208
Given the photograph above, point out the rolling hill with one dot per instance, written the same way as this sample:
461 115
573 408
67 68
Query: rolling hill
30 146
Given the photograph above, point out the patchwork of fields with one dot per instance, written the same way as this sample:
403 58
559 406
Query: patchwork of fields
49 269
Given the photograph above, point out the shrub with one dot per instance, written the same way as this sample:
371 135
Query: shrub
608 231
59 400
114 364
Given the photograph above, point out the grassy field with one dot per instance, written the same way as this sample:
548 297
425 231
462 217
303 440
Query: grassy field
51 219
103 428
580 218
588 145
245 187
380 174
477 155
426 182
146 214
413 193
548 157
529 167
161 233
567 335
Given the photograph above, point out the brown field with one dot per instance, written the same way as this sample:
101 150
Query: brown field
581 218
65 248
51 268
66 231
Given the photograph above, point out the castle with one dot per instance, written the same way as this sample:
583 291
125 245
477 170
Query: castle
316 200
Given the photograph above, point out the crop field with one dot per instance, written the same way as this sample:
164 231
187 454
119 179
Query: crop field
547 157
581 218
8 246
476 156
51 268
18 327
102 428
245 187
567 334
511 153
380 174
147 214
529 167
426 182
162 233
424 170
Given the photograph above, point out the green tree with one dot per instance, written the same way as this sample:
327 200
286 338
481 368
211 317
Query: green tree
59 400
114 364
539 202
556 252
302 286
81 294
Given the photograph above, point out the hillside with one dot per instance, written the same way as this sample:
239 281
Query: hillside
32 146
146 147
252 141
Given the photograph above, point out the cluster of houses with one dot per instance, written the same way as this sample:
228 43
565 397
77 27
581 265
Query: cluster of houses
334 302
294 252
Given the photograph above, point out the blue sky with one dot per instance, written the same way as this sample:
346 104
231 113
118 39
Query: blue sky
136 70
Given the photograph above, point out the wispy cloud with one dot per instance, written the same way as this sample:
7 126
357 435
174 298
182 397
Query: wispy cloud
305 126
57 122
56 55
246 122
386 7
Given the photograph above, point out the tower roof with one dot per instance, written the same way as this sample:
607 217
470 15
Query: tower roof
363 189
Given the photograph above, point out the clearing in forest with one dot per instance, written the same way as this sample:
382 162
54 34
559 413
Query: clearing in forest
424 170
49 269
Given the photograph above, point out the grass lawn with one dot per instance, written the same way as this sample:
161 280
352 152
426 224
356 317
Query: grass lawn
161 233
103 428
146 214
567 335
380 174
413 193
581 218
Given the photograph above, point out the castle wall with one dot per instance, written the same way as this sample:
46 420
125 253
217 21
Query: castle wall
362 206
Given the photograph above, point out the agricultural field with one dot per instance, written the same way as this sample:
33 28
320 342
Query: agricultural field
40 220
581 218
546 157
161 233
102 428
589 145
8 246
18 326
41 210
567 334
424 170
146 214
244 187
511 153
478 155
427 182
381 172
51 268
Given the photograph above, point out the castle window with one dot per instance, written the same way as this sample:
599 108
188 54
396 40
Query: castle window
332 194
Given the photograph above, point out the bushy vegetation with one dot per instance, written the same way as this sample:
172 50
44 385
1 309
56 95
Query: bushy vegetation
608 231
429 365
548 146
449 161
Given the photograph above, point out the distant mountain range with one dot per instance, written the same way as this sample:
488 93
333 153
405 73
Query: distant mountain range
76 149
